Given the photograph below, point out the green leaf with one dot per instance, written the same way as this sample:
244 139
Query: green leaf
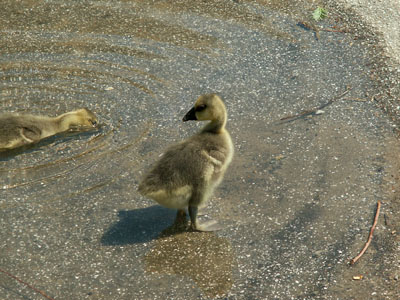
319 13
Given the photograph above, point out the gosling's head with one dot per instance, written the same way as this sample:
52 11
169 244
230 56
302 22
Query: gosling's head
81 118
207 107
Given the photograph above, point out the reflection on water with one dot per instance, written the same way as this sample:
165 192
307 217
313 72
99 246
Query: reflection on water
204 257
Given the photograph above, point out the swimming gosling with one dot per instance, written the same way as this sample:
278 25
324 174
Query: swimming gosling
22 129
187 173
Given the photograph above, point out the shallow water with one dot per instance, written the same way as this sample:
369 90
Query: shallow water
140 66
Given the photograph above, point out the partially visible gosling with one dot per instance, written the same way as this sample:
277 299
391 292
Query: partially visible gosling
21 129
187 173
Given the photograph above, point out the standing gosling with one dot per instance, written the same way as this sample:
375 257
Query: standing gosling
187 173
21 129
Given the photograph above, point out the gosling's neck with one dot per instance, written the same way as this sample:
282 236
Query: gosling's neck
216 125
65 121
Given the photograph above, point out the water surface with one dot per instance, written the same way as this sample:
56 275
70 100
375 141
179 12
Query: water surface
73 222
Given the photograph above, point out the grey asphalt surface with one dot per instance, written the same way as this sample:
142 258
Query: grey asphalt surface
299 198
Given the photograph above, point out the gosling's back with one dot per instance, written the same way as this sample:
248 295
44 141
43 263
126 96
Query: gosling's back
13 125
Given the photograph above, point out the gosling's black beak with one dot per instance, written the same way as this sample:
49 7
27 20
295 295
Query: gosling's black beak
190 115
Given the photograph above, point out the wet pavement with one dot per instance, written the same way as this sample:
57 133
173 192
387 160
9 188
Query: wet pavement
300 195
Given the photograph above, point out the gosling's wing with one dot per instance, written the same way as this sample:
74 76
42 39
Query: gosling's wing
11 132
180 165
217 147
31 134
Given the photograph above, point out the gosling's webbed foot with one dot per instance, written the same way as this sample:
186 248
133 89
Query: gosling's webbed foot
205 226
202 211
211 225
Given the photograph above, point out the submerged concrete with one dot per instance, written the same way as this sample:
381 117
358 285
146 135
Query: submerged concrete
298 200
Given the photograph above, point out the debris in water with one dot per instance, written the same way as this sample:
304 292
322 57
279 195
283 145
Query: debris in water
319 13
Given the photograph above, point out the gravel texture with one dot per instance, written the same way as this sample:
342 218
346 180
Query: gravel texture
382 17
299 197
379 18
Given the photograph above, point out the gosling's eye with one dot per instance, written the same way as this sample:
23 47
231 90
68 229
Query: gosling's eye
201 107
94 122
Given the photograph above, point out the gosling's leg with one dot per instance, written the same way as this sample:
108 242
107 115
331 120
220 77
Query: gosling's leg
205 226
180 217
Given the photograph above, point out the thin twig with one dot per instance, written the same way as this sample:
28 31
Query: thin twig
26 284
310 26
314 110
353 261
335 30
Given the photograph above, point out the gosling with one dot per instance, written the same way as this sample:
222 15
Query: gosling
17 130
188 172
